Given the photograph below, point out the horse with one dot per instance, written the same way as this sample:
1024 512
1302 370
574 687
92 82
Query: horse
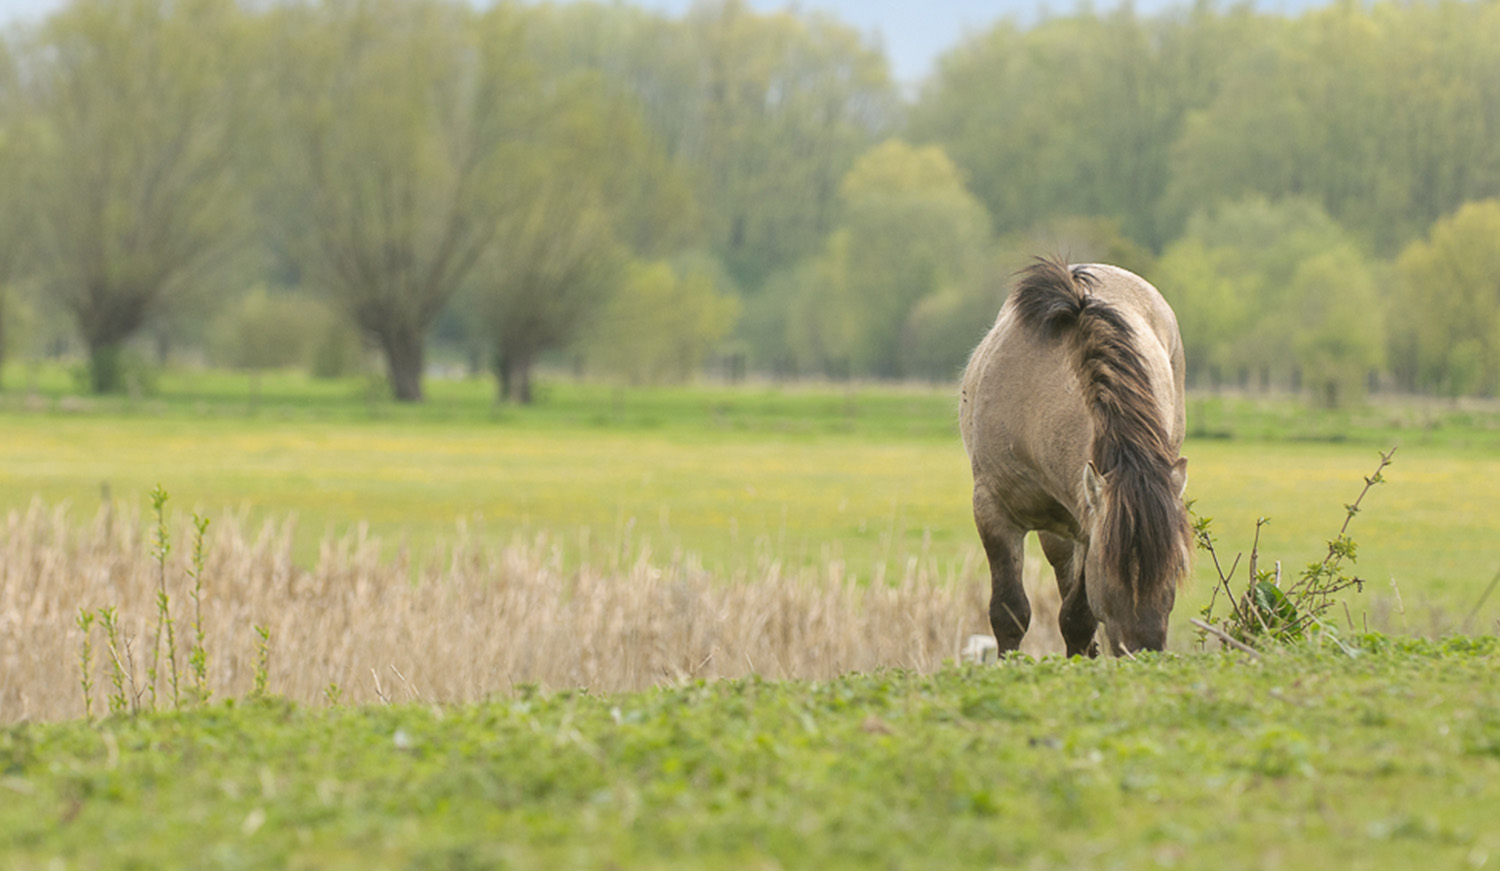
1071 411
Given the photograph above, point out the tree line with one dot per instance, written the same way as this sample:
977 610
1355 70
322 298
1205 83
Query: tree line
636 193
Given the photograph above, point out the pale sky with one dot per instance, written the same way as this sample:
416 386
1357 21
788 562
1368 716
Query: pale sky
10 10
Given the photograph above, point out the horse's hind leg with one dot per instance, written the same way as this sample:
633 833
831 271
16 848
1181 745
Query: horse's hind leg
1010 611
1074 618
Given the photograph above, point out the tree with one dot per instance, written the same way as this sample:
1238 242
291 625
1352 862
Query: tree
589 173
908 229
944 327
618 84
763 113
553 269
1077 116
1342 336
1213 307
402 122
1385 115
130 115
1274 293
1445 317
782 105
664 321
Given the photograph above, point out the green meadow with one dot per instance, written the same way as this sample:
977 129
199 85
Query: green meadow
1377 750
871 476
1383 755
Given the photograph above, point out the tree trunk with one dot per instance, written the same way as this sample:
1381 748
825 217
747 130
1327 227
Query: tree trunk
106 366
404 359
513 377
521 383
502 378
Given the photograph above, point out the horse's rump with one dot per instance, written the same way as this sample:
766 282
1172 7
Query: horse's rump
1127 389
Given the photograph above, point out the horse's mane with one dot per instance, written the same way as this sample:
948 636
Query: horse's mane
1147 535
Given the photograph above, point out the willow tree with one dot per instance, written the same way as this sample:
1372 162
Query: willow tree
591 188
400 124
128 119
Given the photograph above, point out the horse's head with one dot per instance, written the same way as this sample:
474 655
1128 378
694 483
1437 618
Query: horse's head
1139 549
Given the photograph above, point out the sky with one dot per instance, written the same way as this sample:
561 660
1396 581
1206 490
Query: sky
913 32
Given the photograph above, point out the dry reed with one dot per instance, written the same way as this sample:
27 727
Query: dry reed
475 621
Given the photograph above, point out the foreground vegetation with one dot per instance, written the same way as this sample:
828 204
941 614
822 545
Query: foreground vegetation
1388 757
700 627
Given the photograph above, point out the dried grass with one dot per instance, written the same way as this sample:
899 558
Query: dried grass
477 622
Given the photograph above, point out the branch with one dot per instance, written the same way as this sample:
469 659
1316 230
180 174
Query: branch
1353 509
1224 637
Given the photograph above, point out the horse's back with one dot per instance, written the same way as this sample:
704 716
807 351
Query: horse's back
1023 415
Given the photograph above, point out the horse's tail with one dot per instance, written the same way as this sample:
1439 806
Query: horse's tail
1147 535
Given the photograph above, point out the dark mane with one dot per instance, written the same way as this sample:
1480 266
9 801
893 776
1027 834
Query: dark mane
1147 534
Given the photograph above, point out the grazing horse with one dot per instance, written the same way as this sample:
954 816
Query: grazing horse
1072 415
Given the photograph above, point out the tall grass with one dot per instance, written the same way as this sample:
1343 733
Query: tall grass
475 620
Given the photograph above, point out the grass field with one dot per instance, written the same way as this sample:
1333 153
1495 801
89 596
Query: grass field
1389 758
867 476
761 589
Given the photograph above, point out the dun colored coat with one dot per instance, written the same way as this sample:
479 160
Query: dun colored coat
1072 415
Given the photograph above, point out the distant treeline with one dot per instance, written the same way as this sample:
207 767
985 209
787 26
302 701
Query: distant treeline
638 194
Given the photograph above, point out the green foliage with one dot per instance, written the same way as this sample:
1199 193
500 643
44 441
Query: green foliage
909 230
121 665
589 175
1341 335
337 351
1023 764
1080 114
269 331
1369 110
420 162
663 322
1274 294
1445 325
782 106
119 369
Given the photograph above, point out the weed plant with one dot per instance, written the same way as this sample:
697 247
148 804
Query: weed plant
1265 612
164 623
198 653
85 623
164 636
